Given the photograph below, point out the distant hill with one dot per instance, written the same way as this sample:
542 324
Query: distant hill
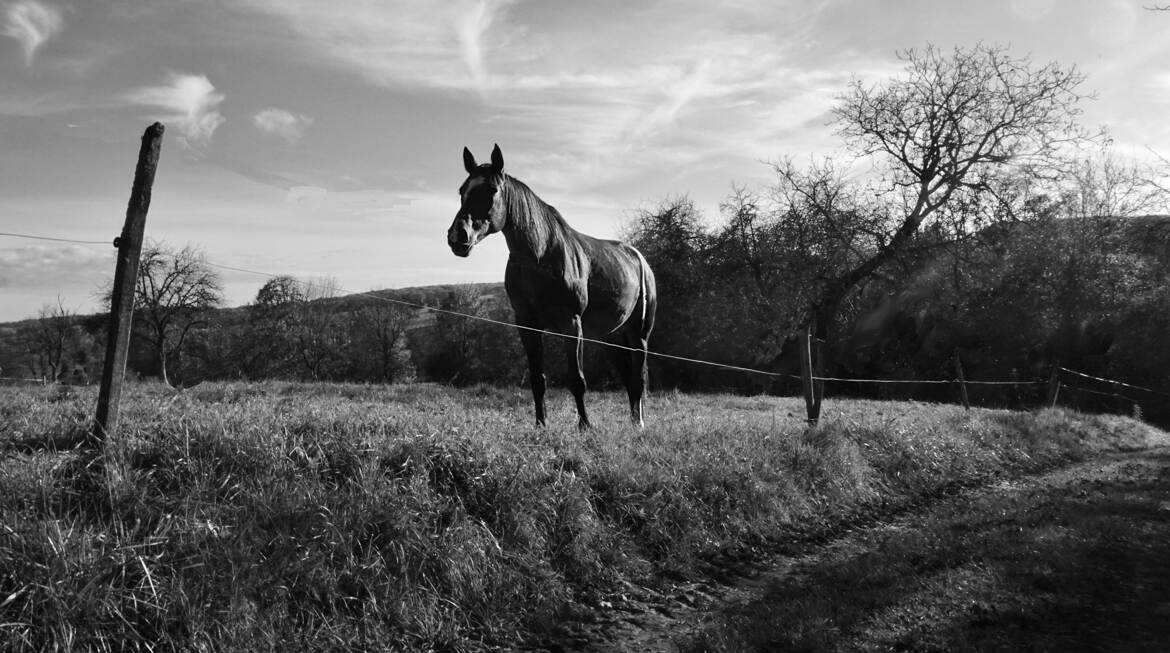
419 295
485 297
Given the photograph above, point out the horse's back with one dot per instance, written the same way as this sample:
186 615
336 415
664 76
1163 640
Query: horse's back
606 282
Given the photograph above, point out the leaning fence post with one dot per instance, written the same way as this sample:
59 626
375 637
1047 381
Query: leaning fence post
962 379
129 245
1054 385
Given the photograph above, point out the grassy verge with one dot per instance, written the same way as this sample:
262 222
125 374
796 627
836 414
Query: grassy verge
1073 560
330 517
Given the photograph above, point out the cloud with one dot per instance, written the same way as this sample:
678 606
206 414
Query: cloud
289 126
51 266
192 103
471 27
678 94
673 84
32 23
1032 10
416 43
310 196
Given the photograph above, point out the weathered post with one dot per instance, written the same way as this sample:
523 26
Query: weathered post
804 353
818 359
813 389
129 245
1054 385
962 379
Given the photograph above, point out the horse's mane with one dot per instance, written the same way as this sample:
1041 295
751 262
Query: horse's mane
530 214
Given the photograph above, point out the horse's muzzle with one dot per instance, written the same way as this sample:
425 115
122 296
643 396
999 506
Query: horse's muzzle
460 249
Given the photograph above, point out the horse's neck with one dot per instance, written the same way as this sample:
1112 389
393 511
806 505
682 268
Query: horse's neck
531 227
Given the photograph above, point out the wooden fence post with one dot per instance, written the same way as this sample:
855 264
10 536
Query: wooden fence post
129 245
1054 385
805 356
814 390
962 378
818 360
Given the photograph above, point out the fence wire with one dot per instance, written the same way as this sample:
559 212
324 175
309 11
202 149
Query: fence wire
1121 383
1065 386
614 345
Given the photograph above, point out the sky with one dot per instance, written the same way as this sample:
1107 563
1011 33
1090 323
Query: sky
324 139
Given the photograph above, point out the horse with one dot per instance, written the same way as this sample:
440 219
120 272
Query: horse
560 281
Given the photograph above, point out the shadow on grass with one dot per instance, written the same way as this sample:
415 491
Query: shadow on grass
1081 565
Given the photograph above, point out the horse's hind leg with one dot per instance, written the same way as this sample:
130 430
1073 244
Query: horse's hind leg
636 379
534 349
576 375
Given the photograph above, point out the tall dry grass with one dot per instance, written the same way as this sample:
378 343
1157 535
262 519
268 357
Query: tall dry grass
291 517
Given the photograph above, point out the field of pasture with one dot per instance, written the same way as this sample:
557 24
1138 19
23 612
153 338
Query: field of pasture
296 517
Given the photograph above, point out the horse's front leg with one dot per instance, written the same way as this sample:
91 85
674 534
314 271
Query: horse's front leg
534 350
575 350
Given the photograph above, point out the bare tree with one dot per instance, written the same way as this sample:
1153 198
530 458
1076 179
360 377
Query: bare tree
55 342
1106 185
938 135
319 334
938 138
380 332
174 289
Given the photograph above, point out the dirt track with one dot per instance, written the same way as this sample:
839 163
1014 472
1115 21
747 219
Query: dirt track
1076 559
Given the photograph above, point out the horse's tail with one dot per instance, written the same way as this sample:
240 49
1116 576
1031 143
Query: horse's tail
647 294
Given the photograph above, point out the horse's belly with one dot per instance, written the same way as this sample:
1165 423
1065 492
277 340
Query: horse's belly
602 318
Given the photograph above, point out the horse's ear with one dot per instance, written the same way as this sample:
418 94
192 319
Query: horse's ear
469 161
497 160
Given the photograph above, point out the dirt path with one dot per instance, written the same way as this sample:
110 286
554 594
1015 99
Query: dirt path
1076 559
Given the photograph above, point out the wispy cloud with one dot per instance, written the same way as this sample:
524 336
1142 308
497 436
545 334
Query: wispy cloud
285 124
43 266
409 43
738 97
32 23
663 68
192 105
471 27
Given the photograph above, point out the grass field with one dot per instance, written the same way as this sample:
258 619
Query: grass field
295 517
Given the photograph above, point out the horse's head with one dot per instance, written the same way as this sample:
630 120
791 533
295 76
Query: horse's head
481 210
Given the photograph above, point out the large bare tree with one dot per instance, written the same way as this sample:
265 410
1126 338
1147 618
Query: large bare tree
172 294
942 130
937 137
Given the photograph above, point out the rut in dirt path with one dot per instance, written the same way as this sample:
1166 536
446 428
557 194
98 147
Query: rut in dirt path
1076 559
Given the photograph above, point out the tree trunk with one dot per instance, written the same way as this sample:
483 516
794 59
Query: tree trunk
162 364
